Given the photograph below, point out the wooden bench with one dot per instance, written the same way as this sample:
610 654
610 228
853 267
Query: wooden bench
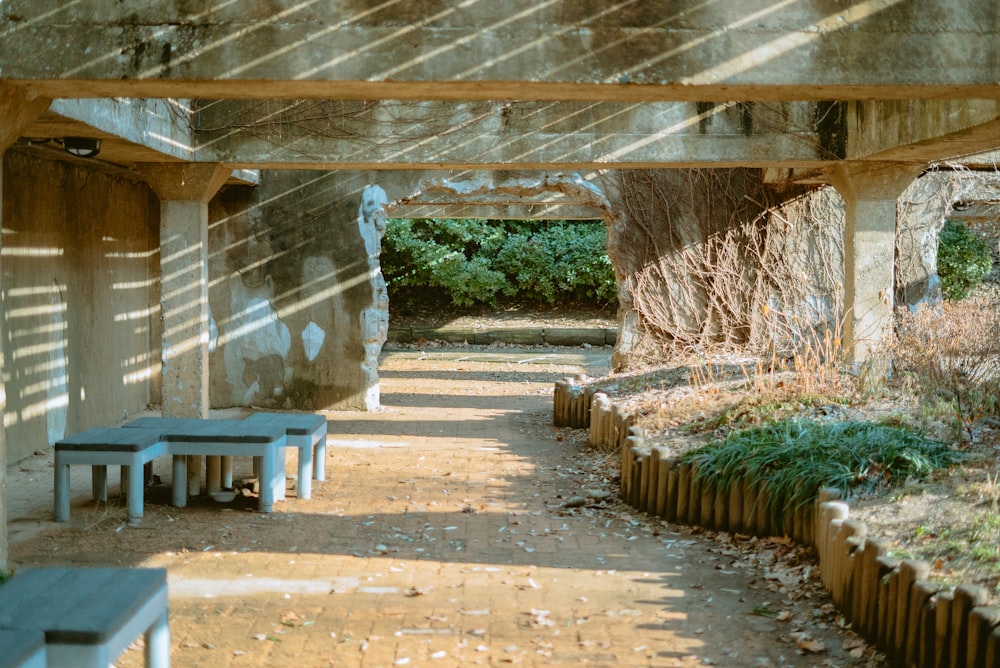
89 615
99 447
22 649
305 431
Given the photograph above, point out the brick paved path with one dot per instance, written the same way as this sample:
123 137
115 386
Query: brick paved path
440 539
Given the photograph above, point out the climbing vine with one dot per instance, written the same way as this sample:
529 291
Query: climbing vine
714 261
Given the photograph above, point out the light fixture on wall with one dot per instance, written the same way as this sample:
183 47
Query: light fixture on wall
82 147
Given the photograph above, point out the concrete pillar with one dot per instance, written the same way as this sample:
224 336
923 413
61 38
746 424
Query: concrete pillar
184 191
3 411
17 110
870 191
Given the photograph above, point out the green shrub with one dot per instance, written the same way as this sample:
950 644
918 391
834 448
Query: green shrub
450 255
795 458
963 260
566 261
479 261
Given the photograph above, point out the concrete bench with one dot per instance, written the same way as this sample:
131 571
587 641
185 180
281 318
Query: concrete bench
90 615
22 649
186 437
99 447
305 431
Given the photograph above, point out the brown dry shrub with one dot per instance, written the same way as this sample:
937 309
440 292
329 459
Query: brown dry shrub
950 359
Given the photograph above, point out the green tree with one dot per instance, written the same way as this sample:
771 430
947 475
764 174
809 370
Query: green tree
963 260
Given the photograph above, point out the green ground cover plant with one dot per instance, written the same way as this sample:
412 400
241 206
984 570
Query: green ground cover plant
796 457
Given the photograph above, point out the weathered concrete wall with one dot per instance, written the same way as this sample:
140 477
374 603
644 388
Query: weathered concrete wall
559 49
923 209
408 135
298 310
79 278
795 271
686 246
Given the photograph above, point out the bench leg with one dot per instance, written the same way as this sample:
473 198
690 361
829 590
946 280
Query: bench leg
61 490
319 459
227 471
99 482
305 471
179 481
268 471
135 492
280 468
157 652
213 473
194 475
258 473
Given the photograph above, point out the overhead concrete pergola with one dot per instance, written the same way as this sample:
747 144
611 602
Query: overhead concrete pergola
821 91
861 94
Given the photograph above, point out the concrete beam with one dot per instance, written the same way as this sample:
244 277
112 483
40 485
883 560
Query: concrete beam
360 135
160 125
988 160
920 130
496 212
626 50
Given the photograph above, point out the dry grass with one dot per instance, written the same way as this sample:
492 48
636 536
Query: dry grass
945 383
951 361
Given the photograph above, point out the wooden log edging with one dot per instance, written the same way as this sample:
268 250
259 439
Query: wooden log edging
578 405
571 403
887 601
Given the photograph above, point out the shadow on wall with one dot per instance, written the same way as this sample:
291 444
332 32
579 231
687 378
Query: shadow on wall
80 318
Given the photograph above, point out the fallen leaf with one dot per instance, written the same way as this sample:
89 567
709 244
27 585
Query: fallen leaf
814 646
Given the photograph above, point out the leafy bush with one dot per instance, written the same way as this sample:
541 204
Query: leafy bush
567 261
480 261
794 458
446 254
963 260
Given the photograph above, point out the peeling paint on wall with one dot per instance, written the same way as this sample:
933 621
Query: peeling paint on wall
213 333
374 319
312 340
56 391
256 344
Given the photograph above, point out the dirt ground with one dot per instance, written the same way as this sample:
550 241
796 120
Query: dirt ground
456 527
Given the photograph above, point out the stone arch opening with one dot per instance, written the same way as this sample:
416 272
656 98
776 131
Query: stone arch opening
507 195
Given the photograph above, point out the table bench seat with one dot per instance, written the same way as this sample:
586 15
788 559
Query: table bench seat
89 615
305 431
187 437
99 447
262 436
22 649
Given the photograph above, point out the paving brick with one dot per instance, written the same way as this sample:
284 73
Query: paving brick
370 564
